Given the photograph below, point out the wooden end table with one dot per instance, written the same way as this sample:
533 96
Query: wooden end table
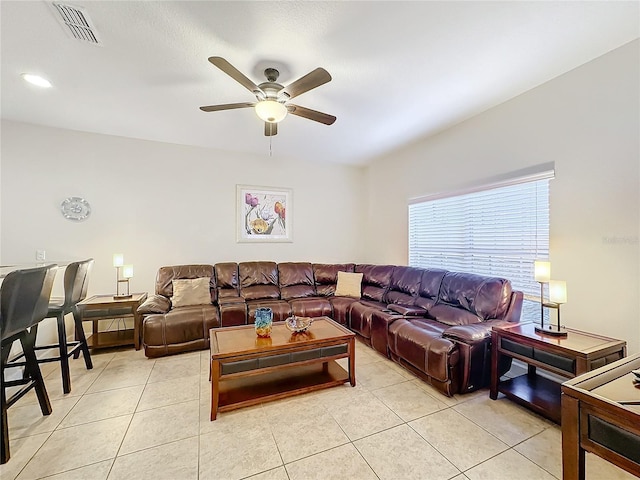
105 307
568 357
246 369
601 414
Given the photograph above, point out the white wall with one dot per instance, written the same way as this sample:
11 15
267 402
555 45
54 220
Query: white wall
161 204
587 123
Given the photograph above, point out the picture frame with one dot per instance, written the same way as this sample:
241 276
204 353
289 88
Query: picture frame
264 214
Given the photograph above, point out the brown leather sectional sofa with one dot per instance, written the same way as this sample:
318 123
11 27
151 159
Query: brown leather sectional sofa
435 323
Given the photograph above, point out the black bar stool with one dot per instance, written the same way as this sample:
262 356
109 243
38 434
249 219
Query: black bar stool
76 282
24 299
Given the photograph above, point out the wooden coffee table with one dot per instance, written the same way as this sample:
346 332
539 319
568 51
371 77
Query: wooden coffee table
246 369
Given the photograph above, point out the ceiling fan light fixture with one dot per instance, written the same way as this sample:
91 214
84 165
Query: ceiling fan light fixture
271 111
36 80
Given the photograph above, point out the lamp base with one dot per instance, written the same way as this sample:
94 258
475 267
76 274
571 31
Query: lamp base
122 297
551 330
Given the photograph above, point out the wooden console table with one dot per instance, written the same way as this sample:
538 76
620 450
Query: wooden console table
568 357
105 307
601 415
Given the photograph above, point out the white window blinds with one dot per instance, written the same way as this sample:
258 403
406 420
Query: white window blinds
497 230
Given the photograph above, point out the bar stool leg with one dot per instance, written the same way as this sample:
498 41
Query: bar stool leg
64 355
28 342
83 340
4 451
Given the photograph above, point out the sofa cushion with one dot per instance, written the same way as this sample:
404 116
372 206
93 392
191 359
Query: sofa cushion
258 280
281 310
326 276
227 279
311 307
375 281
166 275
155 304
453 315
188 292
349 285
296 280
486 297
430 283
405 285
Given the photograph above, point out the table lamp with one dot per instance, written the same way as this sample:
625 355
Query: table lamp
127 273
542 274
557 296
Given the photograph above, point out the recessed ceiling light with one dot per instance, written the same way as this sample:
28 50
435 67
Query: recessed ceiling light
36 80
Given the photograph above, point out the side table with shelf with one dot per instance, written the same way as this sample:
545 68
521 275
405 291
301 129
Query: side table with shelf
578 353
105 307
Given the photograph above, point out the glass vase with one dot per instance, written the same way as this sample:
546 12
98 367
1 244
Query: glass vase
264 321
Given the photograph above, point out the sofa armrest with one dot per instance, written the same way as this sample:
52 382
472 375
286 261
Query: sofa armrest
515 307
473 333
155 304
407 311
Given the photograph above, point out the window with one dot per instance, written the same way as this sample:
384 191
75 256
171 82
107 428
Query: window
496 230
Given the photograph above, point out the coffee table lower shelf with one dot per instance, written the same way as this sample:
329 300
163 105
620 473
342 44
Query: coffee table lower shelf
250 390
536 392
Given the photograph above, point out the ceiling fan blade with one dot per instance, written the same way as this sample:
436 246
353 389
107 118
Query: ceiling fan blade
234 73
227 106
270 129
311 114
310 81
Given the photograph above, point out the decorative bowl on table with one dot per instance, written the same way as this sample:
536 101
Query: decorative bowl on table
298 324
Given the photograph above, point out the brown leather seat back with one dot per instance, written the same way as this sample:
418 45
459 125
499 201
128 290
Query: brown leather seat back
258 280
405 285
430 284
227 282
176 272
467 298
326 276
376 280
296 280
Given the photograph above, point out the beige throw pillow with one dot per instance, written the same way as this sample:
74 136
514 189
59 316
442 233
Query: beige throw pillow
349 284
191 292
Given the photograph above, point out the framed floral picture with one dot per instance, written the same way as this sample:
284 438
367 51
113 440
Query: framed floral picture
264 214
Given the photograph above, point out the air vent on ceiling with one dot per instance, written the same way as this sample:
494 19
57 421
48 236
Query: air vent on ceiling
76 23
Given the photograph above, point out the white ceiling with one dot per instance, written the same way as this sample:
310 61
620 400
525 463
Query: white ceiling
401 70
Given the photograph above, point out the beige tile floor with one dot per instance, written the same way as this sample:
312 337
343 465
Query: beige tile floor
132 417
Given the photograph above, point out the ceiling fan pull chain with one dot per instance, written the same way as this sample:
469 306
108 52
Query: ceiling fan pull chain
270 142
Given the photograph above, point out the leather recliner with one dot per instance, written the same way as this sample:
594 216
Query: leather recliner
169 330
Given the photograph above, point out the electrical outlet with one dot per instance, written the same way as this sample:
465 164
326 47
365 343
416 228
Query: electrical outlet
41 255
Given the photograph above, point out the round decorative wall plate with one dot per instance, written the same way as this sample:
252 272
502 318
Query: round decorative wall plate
75 208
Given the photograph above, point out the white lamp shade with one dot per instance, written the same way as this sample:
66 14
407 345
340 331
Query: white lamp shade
118 259
542 271
271 111
127 271
558 291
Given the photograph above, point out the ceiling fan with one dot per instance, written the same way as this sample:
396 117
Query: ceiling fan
272 97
